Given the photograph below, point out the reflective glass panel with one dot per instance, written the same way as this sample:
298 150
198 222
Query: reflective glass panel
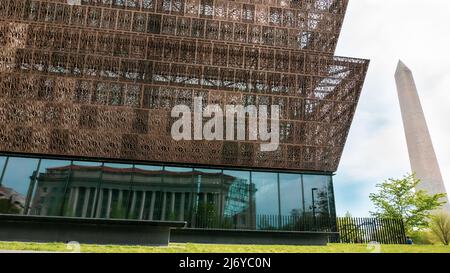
291 195
175 182
18 175
50 188
316 195
239 205
147 190
209 197
115 192
266 199
82 189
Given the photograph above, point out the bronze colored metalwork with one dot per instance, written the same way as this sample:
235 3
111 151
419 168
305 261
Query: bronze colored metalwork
99 80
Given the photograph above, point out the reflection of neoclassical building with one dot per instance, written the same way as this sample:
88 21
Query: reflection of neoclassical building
142 194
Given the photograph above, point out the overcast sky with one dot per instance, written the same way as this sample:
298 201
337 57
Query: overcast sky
384 31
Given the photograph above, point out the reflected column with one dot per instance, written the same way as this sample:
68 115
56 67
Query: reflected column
86 202
163 213
152 206
98 210
108 206
183 199
141 211
172 204
75 201
133 204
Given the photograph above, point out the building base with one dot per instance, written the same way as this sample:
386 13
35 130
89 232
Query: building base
85 230
222 236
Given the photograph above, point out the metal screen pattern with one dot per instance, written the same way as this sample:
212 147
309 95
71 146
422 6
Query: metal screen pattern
98 80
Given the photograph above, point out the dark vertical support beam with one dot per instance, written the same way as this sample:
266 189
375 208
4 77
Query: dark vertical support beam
387 230
66 190
221 204
388 227
279 200
191 202
360 230
367 229
196 197
162 193
376 232
251 206
398 232
332 203
99 188
391 231
303 195
336 238
31 187
371 232
127 214
374 228
403 232
4 170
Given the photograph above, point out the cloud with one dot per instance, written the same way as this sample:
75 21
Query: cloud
385 31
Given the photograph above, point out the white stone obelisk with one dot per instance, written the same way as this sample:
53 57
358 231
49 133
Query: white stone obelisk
422 157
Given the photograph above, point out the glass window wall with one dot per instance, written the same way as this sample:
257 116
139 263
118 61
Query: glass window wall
203 197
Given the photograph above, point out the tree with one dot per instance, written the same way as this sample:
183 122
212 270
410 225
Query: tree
398 198
440 227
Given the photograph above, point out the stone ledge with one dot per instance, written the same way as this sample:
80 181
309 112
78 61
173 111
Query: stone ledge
226 236
85 230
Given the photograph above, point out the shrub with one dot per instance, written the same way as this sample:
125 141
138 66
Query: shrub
422 237
440 227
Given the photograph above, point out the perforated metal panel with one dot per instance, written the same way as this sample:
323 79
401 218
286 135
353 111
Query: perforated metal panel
100 79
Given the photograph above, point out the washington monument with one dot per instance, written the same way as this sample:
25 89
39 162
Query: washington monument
420 148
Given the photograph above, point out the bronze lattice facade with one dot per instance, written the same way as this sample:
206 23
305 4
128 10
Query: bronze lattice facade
98 80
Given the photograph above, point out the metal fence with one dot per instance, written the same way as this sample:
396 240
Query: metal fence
365 230
349 229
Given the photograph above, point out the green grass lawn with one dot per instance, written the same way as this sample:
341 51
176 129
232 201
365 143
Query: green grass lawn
206 248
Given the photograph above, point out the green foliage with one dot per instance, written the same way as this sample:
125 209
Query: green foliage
397 198
207 216
422 237
67 211
118 212
172 216
207 210
440 227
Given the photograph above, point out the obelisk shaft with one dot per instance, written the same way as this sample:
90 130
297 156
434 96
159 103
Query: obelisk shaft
422 156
